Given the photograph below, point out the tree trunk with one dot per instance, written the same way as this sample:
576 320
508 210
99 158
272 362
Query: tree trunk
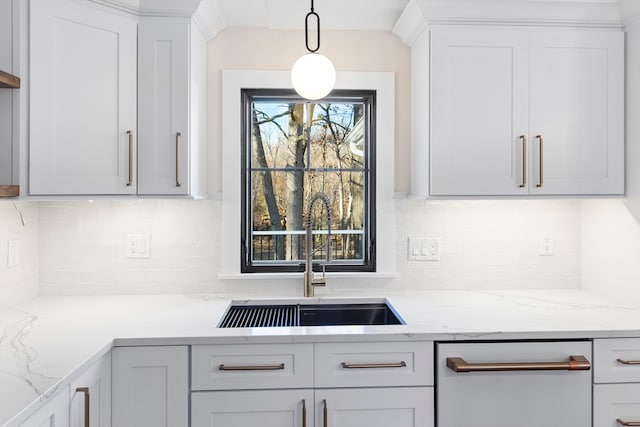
295 179
269 194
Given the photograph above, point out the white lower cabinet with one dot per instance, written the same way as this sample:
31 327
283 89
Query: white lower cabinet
616 390
355 385
616 405
150 386
272 408
375 407
349 407
90 396
55 413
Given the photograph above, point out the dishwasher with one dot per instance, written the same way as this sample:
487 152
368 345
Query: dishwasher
513 384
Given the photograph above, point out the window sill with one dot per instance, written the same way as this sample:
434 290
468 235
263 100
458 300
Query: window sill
298 276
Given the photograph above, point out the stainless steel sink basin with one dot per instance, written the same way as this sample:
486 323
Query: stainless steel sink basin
256 314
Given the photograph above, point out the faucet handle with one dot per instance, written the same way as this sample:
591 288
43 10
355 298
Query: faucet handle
321 281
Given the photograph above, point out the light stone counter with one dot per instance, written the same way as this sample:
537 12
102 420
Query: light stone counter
46 342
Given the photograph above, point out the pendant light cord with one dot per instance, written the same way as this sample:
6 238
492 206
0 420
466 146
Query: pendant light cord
306 29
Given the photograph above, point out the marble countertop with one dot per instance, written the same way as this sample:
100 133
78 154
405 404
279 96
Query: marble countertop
48 341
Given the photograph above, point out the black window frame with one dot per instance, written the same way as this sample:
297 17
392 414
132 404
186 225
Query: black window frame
368 264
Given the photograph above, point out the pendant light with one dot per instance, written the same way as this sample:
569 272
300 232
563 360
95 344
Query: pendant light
313 75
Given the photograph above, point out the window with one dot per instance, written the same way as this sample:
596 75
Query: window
293 149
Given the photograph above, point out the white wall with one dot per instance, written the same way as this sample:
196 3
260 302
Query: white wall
82 246
611 228
611 251
20 282
255 49
485 245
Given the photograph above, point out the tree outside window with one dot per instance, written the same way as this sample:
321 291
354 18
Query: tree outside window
293 149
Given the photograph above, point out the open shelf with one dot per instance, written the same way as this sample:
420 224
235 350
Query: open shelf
9 81
9 191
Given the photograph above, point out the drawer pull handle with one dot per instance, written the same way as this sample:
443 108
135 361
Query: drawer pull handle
540 161
630 423
324 413
372 365
575 363
251 368
130 137
523 139
87 408
628 362
304 413
178 159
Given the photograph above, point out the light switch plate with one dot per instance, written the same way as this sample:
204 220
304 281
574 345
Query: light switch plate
424 248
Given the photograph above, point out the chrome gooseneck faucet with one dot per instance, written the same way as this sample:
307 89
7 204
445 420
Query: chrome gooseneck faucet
309 280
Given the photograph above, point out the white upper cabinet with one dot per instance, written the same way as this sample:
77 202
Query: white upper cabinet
479 108
577 108
163 107
83 93
517 111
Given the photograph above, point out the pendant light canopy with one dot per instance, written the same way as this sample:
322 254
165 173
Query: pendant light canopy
313 75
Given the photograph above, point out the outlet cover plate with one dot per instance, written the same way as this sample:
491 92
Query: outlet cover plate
138 246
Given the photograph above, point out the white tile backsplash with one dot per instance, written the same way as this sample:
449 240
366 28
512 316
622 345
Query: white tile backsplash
20 282
489 244
83 246
611 251
485 245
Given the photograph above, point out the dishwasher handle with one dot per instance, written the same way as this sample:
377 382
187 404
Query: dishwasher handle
575 363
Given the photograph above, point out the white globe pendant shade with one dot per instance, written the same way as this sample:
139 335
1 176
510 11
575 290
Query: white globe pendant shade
313 76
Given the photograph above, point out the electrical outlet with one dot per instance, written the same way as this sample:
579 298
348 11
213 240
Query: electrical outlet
13 253
546 244
138 246
433 249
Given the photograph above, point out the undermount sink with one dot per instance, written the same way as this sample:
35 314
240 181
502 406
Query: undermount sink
267 313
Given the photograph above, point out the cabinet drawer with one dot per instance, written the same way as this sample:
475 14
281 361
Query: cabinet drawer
255 366
612 402
374 364
609 356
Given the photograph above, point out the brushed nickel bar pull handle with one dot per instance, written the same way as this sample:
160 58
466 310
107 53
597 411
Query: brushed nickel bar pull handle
629 423
372 365
523 183
324 413
541 162
304 413
628 362
87 408
177 160
575 363
251 367
130 182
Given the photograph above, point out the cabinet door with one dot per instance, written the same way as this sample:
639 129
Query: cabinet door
577 108
55 413
273 408
150 386
479 111
375 407
163 108
612 402
93 384
82 99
